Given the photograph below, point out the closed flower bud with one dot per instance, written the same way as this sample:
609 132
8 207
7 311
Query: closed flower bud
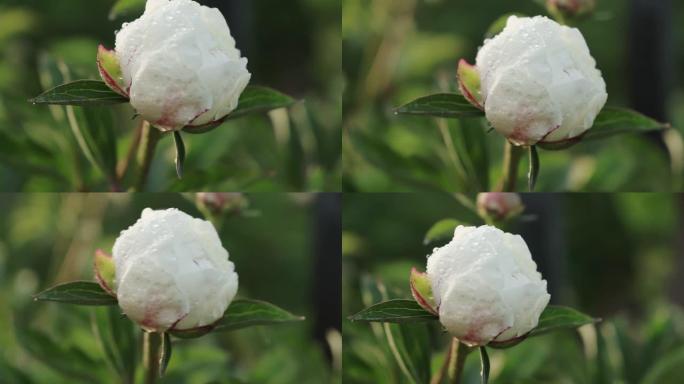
486 286
171 272
570 8
222 202
499 206
539 82
178 65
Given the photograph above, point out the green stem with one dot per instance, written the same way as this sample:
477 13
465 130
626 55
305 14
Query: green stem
151 351
148 144
511 161
459 352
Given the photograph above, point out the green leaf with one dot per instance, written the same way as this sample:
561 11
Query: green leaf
469 139
440 105
165 355
484 361
70 361
410 345
77 292
534 168
440 230
117 338
257 99
253 100
94 131
295 161
394 311
557 317
247 313
499 24
611 121
126 7
180 153
80 92
667 369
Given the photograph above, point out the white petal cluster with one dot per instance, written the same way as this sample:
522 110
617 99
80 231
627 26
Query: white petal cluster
539 82
180 65
172 271
486 285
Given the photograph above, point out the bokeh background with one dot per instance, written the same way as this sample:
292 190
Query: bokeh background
619 257
286 249
292 46
398 50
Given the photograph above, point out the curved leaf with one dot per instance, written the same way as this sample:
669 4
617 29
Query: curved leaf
557 317
394 311
126 7
440 105
77 292
611 121
118 340
165 353
253 100
80 92
534 168
410 345
180 153
499 24
442 229
247 313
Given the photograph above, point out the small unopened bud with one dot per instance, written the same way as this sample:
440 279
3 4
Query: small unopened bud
570 9
222 202
499 206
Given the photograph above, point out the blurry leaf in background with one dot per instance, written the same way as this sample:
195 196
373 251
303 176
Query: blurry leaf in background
118 339
126 8
443 229
72 362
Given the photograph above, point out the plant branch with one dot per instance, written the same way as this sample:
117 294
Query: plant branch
122 168
458 357
454 362
511 161
151 351
148 144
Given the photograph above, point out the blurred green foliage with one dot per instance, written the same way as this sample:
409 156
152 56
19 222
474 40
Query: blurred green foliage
398 50
618 257
293 47
51 238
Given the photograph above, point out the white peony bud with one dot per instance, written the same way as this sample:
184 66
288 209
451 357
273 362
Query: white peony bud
499 205
486 286
539 81
179 64
171 271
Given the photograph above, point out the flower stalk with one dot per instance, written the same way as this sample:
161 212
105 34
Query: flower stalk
511 161
459 352
151 351
148 144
